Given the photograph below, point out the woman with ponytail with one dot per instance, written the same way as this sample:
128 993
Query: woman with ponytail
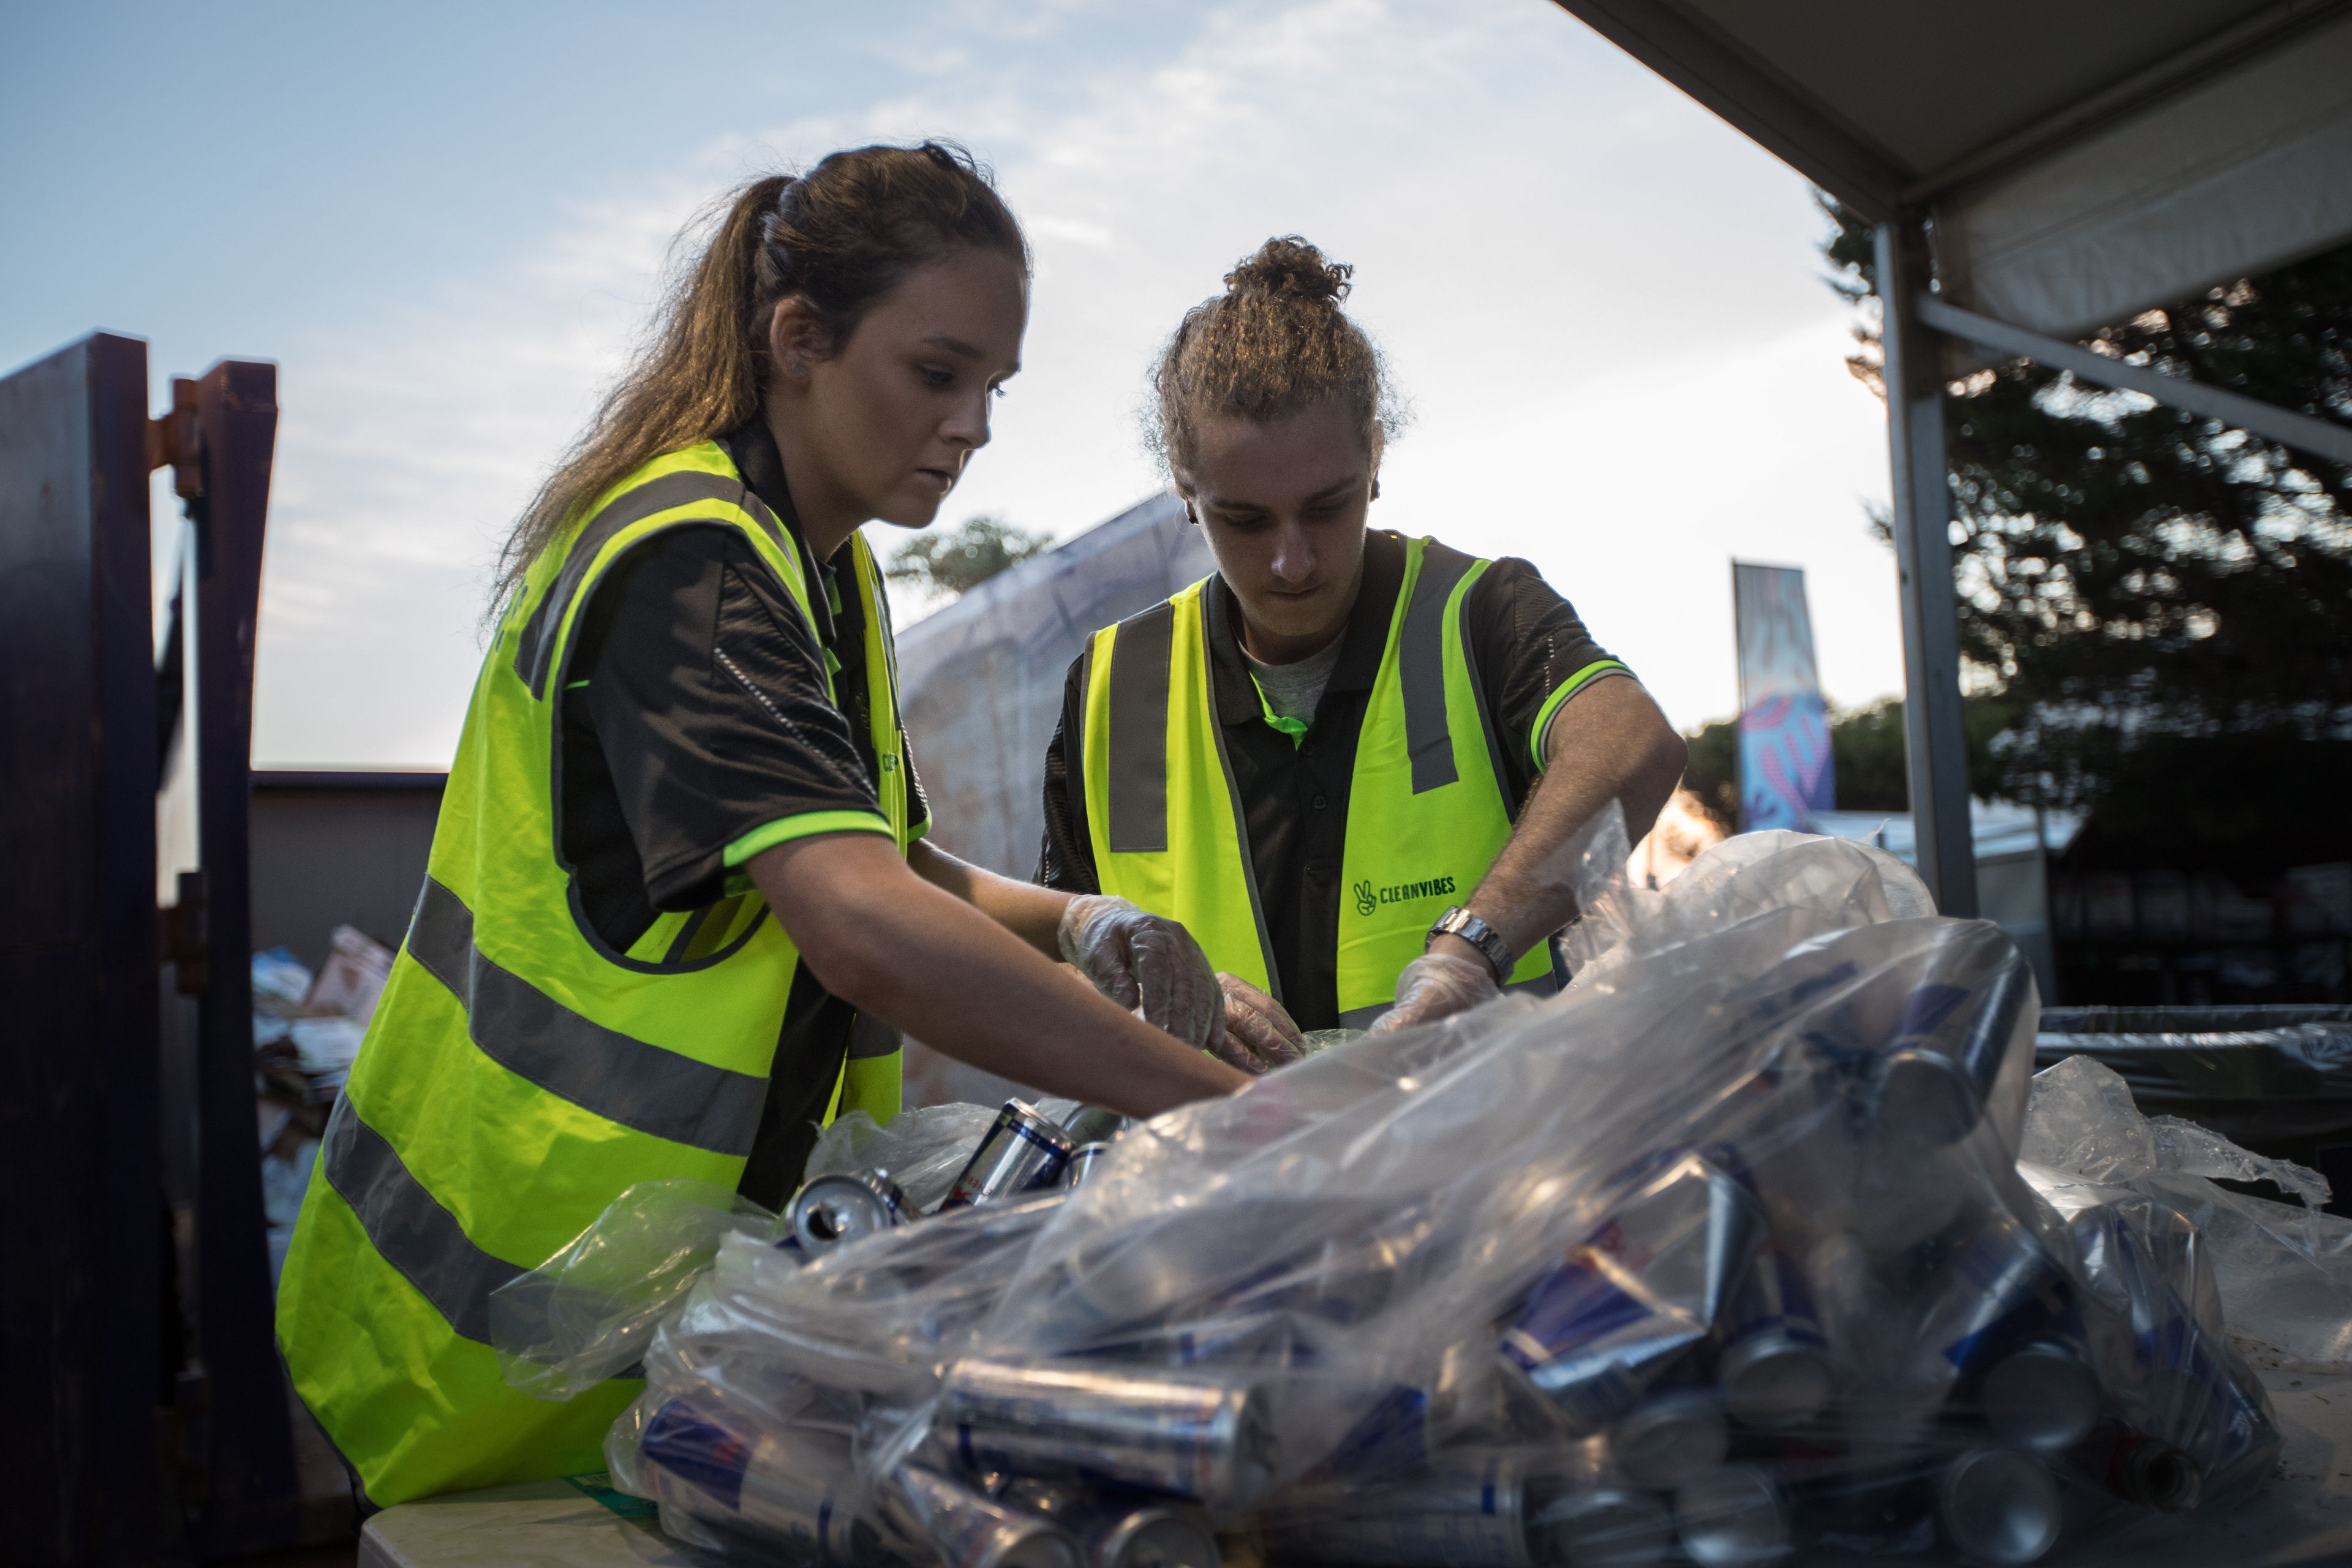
678 904
1386 750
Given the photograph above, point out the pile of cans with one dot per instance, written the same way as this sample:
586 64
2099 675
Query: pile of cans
1754 1277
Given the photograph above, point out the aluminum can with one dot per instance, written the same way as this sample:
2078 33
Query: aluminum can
1121 1531
1998 1506
1949 1049
1633 1296
1201 1433
972 1530
2001 1288
1587 1513
2042 1395
1261 1339
1472 1509
1774 1367
2219 1417
1732 1517
794 1488
2142 1469
1614 1527
1085 1160
1022 1150
1093 1124
1670 1438
842 1207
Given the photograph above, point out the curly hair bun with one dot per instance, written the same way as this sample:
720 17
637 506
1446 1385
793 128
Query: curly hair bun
1291 266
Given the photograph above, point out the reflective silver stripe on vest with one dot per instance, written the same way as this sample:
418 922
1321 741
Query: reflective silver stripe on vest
1363 1017
408 1227
1141 648
526 1031
1421 668
535 649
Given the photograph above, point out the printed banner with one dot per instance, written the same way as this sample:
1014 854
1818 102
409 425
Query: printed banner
1785 774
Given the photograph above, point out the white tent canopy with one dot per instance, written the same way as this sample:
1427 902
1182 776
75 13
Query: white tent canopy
2038 171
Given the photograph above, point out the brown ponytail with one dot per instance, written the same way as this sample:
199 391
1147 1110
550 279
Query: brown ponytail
841 237
1275 342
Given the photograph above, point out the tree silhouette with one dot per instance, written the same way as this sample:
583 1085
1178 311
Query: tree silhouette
955 561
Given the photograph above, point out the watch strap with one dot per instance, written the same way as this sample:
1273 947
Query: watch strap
1460 922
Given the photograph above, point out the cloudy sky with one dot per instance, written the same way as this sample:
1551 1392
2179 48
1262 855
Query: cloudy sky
446 225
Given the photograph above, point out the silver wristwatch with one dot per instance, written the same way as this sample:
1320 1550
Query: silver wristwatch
1459 921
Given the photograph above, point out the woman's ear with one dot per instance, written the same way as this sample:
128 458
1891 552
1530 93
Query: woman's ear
791 338
1376 486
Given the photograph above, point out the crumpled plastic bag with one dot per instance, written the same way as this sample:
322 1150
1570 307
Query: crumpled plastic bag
922 1149
588 1313
2284 1272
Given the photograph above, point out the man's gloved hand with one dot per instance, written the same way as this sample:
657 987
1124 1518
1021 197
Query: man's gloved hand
1146 964
1437 986
1259 1034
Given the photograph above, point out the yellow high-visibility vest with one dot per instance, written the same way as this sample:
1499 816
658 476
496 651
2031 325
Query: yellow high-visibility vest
520 1073
1427 806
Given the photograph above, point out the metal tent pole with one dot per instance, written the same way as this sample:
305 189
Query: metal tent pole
1936 742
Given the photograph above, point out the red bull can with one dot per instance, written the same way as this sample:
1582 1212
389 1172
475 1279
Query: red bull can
1472 1509
1998 1506
1021 1153
971 1531
1774 1365
832 1210
1635 1296
1197 1433
1121 1530
793 1489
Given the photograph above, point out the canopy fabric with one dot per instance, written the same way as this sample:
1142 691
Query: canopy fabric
980 681
2080 162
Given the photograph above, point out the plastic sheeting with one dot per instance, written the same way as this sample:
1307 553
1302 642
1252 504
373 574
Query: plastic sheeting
980 680
2283 1271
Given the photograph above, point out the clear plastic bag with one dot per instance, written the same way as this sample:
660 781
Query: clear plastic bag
921 1149
2284 1272
588 1313
1724 1251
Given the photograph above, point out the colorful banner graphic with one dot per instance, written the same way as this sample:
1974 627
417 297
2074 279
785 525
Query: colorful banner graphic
1785 774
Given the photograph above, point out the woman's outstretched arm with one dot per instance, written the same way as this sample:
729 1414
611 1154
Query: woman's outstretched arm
886 940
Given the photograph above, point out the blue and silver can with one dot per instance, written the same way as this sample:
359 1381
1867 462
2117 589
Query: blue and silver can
792 1488
1957 1033
968 1530
843 1207
1774 1366
1996 1506
1117 1530
1021 1153
1636 1295
1199 1433
1472 1509
1084 1160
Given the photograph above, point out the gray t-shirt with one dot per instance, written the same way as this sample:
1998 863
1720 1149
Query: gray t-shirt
1292 690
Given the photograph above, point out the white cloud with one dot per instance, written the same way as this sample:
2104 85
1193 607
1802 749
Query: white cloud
1600 301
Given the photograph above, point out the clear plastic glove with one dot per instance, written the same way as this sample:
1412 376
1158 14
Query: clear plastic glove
1259 1034
1437 986
1146 964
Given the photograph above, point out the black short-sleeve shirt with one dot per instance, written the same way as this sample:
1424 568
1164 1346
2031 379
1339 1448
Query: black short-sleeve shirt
1528 648
696 719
